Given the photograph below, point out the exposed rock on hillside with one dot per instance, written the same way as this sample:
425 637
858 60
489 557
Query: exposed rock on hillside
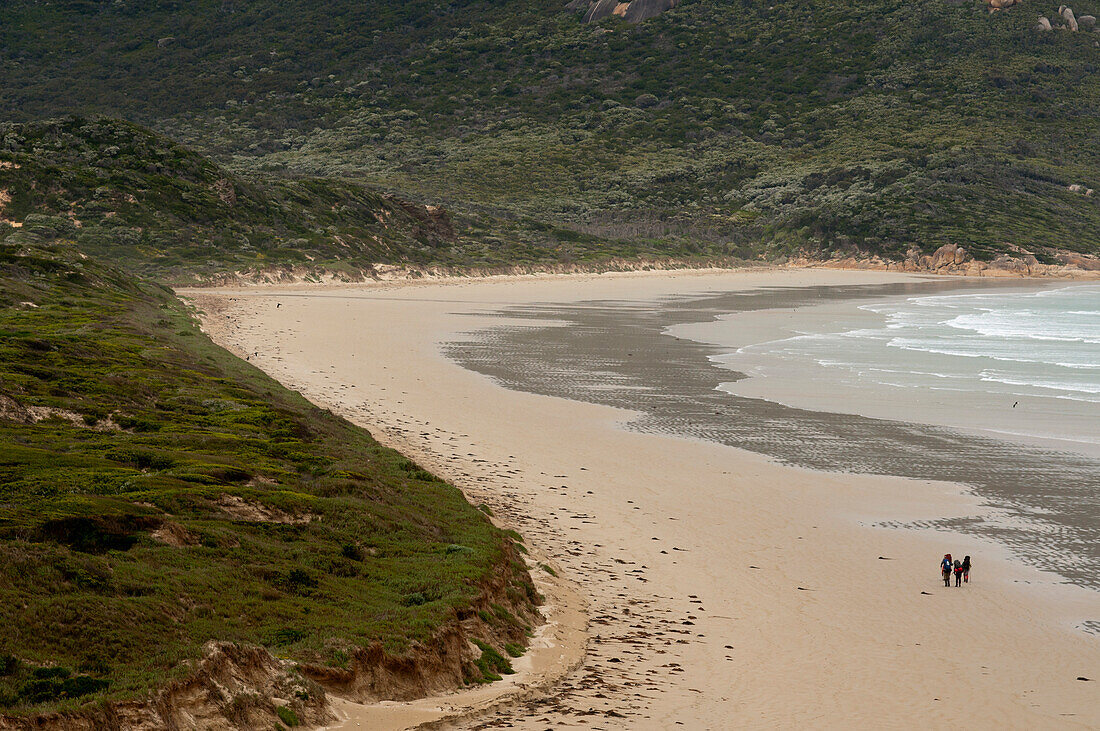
948 255
1067 15
1074 260
634 11
1020 263
639 10
600 10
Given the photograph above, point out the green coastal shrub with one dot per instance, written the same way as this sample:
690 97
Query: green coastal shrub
287 715
491 665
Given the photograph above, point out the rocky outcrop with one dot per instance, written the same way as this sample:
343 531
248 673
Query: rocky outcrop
954 260
995 5
948 255
639 10
633 11
1069 21
600 10
1023 266
1074 260
1067 15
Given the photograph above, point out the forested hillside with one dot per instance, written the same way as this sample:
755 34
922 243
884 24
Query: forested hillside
775 128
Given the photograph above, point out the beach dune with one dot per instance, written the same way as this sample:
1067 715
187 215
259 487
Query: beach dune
723 590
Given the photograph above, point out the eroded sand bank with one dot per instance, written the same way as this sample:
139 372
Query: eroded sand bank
724 590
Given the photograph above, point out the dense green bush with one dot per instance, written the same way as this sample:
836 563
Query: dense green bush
287 715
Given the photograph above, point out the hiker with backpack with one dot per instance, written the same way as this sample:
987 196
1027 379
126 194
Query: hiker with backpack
958 572
945 568
966 570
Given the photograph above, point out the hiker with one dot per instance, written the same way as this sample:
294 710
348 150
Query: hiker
945 569
966 570
958 572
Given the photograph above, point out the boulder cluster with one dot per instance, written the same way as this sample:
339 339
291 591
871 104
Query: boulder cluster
1068 20
954 259
632 11
948 255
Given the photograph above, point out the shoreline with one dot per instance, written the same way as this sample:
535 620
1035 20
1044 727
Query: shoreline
557 648
774 514
391 275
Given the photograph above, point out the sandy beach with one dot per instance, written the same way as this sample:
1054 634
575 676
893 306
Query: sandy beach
720 588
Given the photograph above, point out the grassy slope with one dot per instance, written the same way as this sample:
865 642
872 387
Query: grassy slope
170 430
129 196
763 127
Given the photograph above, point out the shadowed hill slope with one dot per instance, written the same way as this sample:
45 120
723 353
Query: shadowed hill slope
133 197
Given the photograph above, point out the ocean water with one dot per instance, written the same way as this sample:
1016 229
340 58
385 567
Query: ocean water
1023 365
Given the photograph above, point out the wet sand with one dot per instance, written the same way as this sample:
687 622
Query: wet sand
724 589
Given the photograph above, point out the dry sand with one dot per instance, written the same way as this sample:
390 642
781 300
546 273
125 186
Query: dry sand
723 590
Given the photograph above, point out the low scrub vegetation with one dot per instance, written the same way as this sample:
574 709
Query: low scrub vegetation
157 492
718 128
126 195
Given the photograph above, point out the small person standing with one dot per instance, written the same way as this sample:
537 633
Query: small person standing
958 572
945 569
966 570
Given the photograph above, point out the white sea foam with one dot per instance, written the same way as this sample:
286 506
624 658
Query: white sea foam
1039 335
1035 347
